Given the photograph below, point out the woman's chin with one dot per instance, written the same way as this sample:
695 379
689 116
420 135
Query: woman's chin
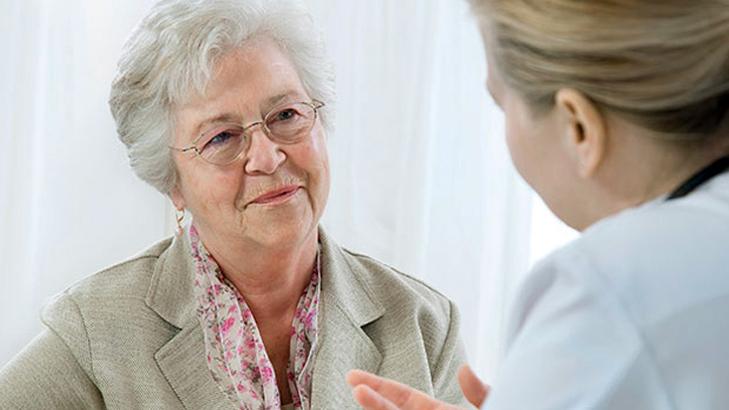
280 232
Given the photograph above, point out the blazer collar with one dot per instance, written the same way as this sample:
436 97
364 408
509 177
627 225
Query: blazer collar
344 285
170 293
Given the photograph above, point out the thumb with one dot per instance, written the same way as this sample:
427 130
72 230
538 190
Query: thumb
472 387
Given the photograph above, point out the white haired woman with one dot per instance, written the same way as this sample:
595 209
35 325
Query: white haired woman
616 114
224 106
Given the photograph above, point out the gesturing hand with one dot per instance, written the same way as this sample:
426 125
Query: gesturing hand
377 393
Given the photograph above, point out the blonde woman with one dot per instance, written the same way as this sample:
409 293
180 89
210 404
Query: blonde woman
616 114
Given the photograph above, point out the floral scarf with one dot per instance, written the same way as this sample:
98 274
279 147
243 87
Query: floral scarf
234 348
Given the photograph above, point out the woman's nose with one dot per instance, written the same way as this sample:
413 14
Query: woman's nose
264 156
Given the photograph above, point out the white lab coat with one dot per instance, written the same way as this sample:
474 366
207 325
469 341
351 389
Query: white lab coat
632 315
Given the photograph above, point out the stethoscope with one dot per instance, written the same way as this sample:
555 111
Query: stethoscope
704 175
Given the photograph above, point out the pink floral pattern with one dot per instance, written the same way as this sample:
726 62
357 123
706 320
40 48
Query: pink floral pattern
234 348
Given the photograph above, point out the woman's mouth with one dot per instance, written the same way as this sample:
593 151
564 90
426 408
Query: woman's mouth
276 196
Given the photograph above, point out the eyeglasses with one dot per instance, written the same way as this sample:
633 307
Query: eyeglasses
287 124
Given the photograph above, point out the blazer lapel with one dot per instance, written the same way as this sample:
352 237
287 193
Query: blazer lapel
346 307
182 359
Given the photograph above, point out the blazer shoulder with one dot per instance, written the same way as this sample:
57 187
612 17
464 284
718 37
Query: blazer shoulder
394 287
102 305
126 280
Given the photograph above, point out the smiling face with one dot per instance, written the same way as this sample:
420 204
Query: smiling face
272 195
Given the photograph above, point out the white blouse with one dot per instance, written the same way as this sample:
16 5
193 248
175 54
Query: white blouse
632 315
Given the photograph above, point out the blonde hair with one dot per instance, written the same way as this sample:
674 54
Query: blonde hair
172 54
663 65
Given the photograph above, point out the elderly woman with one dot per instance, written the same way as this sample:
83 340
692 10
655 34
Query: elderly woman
224 106
617 115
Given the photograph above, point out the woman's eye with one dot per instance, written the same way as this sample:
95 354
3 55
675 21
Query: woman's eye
221 139
286 115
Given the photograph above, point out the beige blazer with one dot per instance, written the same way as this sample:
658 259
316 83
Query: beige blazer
128 337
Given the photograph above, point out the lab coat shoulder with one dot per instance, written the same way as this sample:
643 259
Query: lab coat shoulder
630 315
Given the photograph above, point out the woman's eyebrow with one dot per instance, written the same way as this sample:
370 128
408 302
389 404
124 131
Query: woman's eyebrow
276 99
231 117
225 117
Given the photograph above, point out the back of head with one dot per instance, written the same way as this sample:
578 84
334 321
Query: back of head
663 65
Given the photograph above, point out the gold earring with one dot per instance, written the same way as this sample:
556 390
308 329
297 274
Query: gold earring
180 216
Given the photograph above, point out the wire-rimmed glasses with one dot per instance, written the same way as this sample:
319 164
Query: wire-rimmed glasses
286 124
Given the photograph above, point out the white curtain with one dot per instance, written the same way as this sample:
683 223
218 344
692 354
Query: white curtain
69 203
421 177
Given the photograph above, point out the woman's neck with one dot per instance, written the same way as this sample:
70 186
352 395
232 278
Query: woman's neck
675 168
271 280
641 170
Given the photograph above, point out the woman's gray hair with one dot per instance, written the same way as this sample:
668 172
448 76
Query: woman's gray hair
172 54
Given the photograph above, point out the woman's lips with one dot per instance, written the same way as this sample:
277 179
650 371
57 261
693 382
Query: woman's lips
276 196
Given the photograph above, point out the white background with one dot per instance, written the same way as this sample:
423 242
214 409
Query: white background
421 176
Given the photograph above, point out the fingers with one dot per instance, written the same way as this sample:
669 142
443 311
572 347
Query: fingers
377 393
395 392
472 387
370 400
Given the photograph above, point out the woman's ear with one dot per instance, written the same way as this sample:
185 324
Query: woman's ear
177 199
586 131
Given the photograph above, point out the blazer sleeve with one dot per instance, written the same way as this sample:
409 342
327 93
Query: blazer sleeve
52 372
451 358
